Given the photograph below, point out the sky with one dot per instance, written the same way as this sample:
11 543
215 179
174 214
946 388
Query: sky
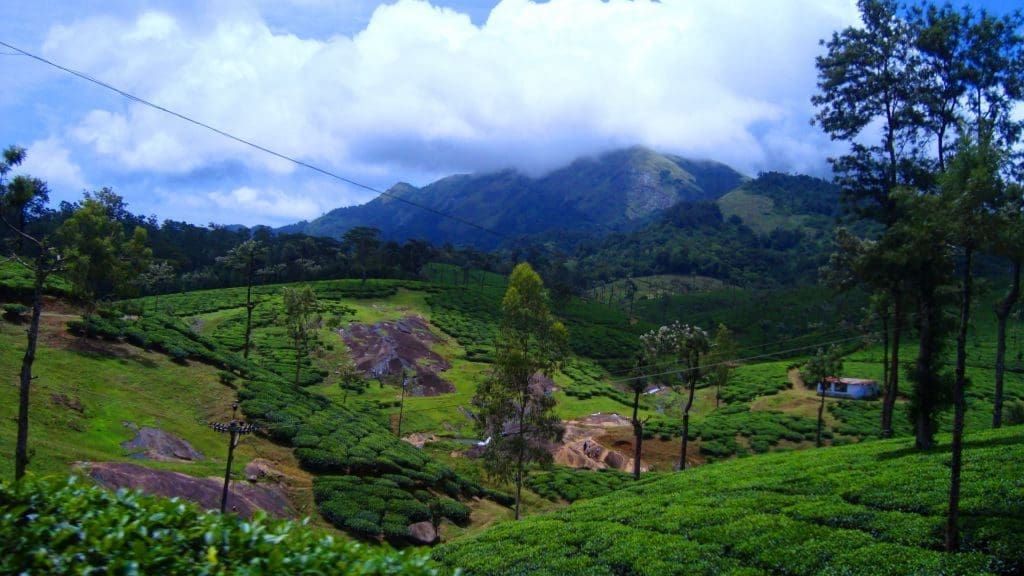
407 90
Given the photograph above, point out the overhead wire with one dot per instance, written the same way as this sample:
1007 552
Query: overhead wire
251 144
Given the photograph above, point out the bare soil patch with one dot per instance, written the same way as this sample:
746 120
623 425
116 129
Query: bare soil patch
390 347
586 445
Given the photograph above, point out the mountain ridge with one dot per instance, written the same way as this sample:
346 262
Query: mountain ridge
617 190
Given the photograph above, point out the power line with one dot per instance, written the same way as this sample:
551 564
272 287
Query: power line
252 144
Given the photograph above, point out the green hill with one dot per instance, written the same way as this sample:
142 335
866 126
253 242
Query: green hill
773 230
616 190
875 508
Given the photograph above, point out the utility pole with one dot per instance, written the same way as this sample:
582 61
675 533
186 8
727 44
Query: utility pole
235 429
401 405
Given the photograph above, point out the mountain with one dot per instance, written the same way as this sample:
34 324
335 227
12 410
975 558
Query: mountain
619 190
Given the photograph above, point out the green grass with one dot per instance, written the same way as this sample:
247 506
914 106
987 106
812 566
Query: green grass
872 508
114 384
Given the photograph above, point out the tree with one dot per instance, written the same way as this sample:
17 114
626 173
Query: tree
688 345
302 321
974 192
512 407
361 244
27 197
869 79
156 278
44 261
100 261
821 366
723 353
244 257
1010 243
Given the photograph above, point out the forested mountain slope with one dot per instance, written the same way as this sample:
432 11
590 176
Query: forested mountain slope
617 190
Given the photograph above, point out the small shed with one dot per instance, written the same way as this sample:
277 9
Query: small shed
854 388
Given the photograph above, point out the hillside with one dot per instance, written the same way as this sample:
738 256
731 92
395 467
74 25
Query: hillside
875 508
617 190
773 230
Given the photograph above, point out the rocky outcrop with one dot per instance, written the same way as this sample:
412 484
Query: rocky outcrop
156 444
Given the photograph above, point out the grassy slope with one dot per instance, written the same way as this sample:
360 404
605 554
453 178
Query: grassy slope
873 508
115 383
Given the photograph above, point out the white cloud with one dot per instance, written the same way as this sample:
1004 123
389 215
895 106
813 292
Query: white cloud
50 160
423 90
245 203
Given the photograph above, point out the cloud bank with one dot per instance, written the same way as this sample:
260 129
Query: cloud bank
422 91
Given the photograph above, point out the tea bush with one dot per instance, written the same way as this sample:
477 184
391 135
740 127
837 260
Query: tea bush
74 528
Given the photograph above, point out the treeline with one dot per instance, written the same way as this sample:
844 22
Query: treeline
192 257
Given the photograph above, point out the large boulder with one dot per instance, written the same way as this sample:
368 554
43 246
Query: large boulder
423 532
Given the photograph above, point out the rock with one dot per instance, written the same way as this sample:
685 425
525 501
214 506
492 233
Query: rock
423 532
262 469
156 444
244 498
614 460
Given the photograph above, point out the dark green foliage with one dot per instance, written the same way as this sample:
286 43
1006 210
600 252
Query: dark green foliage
469 315
873 508
14 312
73 528
762 429
588 382
16 283
572 484
749 382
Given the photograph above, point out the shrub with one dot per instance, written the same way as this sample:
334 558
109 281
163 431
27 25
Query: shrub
71 528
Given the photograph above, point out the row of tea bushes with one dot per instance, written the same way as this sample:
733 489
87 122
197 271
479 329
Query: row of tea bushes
75 528
871 508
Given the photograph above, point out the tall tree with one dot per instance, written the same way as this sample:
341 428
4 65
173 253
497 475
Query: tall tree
688 345
156 278
245 257
869 79
302 321
513 409
42 260
723 354
361 244
1009 242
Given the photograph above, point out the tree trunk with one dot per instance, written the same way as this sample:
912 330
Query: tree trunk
248 309
959 405
686 425
298 361
821 414
1003 308
638 433
924 390
886 416
893 383
21 449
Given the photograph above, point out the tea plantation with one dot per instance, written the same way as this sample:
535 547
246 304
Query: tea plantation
74 528
873 508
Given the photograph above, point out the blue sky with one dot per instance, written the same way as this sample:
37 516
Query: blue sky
412 90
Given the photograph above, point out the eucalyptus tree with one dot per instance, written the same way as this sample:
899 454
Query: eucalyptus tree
688 345
245 257
302 321
511 408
